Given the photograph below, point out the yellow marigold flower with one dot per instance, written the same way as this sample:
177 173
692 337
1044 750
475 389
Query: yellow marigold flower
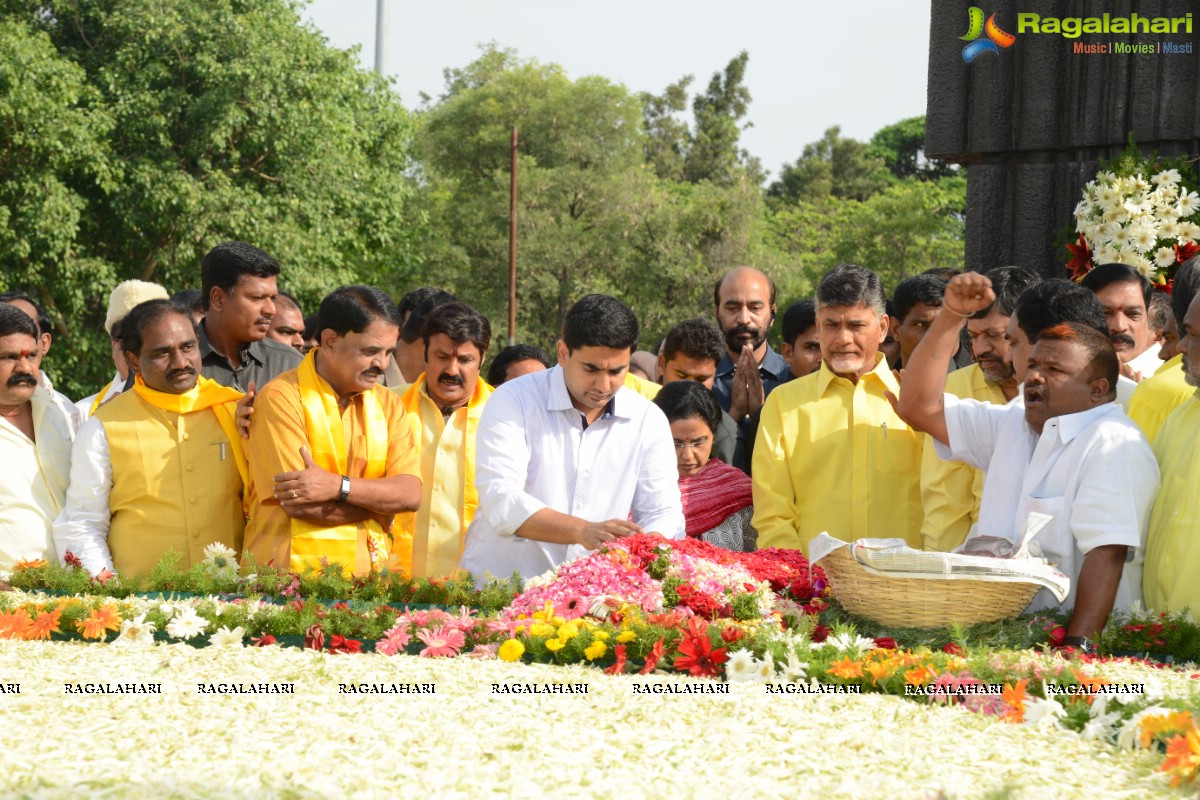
511 650
880 671
568 631
541 630
554 645
595 650
1162 726
557 621
626 636
519 630
601 636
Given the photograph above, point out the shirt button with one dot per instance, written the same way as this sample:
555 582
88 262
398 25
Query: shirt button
192 500
190 467
196 535
187 436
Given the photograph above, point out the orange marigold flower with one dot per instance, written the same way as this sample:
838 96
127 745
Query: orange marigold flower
1183 758
34 563
919 676
1092 684
104 618
44 624
881 671
14 624
845 669
1014 701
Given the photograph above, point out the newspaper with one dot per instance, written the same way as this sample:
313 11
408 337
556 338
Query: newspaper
894 558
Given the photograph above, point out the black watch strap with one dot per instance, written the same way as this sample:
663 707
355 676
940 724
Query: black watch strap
344 494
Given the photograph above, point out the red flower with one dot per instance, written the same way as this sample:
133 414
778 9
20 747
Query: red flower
72 560
652 658
263 641
953 649
697 656
314 638
618 667
338 644
885 643
820 633
1081 258
104 576
1185 251
1057 635
341 606
732 634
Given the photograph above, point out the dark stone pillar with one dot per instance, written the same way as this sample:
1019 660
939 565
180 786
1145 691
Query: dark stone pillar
1032 123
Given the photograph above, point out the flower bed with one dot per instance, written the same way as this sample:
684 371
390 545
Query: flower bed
466 741
659 609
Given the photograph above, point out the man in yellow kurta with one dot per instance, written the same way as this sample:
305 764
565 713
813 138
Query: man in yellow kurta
1156 397
159 468
1172 545
831 453
951 491
331 453
443 411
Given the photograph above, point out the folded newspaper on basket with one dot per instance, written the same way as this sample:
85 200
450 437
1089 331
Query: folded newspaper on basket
894 558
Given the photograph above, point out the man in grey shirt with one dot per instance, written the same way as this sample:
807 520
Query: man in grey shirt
239 290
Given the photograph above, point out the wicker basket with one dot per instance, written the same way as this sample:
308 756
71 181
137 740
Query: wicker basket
921 602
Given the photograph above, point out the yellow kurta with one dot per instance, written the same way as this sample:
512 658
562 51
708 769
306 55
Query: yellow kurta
176 484
1173 542
446 453
1156 397
951 490
832 455
647 389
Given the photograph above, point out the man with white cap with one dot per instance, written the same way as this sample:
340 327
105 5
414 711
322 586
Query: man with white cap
124 297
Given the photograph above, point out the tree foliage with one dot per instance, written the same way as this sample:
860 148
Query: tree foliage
184 124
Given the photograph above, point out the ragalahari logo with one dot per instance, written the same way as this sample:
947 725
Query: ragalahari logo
996 38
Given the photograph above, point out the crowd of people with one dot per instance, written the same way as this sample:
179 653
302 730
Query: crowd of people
369 433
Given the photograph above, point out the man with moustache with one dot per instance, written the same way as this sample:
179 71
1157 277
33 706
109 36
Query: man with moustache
1069 452
951 490
238 286
332 458
443 409
38 314
1172 551
159 468
1124 294
832 455
750 369
35 446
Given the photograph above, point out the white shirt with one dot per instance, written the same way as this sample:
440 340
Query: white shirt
66 404
533 452
1093 471
35 481
112 390
82 527
1148 362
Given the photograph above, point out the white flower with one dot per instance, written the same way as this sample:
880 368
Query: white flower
1043 712
187 624
1164 257
795 670
1137 184
765 669
850 643
227 638
740 667
1106 254
136 632
1143 265
1188 203
1167 176
219 558
1106 176
1082 209
1188 232
1129 735
168 609
1108 198
1138 206
1168 229
1143 236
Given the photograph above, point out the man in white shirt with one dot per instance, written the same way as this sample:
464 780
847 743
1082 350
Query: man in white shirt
124 297
567 460
1124 294
35 446
1069 452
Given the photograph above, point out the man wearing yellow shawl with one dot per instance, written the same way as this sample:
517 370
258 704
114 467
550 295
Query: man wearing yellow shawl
331 453
443 407
159 468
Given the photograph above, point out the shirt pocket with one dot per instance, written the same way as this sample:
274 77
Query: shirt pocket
894 451
1055 540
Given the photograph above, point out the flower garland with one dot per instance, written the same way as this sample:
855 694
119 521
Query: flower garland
1143 212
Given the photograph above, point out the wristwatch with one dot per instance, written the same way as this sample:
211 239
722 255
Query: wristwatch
1080 643
344 494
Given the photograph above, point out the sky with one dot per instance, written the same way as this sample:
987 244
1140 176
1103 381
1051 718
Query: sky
813 64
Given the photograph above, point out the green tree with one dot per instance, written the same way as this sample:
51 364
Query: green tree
714 154
667 136
833 166
222 120
902 148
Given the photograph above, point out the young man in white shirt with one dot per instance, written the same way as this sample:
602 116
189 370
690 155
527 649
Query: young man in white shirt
1069 451
566 460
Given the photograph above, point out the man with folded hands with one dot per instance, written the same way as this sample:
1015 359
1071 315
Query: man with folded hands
1068 451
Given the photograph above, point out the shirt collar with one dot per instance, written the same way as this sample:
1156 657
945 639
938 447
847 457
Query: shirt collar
1068 426
559 399
254 350
881 373
474 406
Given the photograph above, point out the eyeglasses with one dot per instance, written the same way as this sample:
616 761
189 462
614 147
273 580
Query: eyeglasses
694 444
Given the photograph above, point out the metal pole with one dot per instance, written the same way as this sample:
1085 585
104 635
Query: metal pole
512 245
381 37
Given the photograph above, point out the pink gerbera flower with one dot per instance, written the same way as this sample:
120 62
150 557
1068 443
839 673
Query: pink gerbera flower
394 641
441 642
